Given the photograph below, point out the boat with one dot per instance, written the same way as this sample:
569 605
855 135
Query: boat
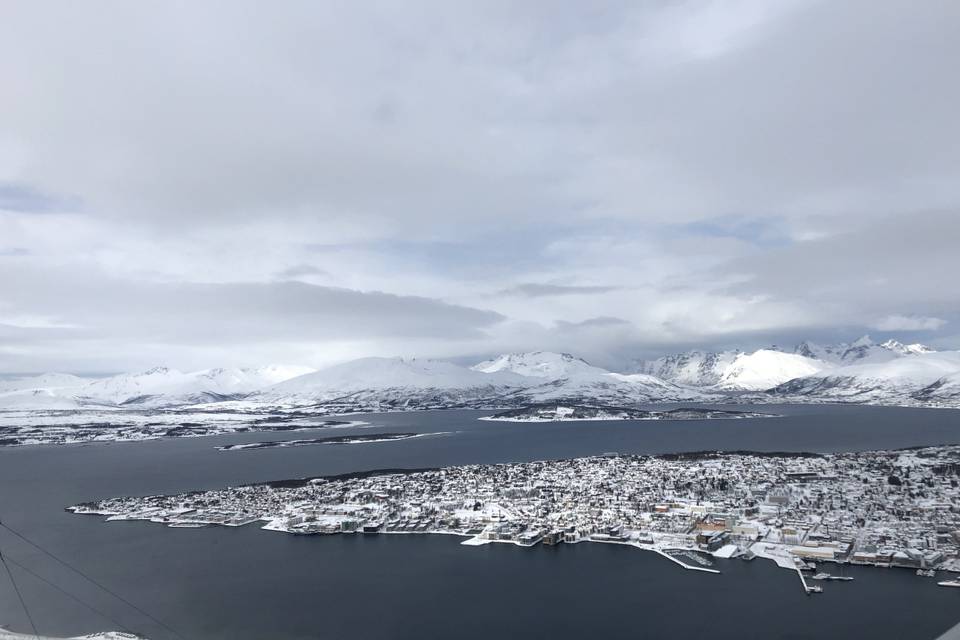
844 578
928 573
822 576
949 583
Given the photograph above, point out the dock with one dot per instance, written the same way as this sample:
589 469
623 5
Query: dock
689 567
807 588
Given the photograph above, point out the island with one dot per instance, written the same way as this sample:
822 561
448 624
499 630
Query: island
335 440
77 427
552 412
897 508
6 634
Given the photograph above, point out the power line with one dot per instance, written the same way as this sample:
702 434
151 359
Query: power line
120 626
16 589
91 580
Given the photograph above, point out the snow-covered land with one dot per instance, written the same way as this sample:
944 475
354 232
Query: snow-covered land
102 635
913 379
766 368
862 371
539 364
575 413
693 368
766 505
159 386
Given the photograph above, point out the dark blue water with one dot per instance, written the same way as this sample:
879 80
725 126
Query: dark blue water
247 583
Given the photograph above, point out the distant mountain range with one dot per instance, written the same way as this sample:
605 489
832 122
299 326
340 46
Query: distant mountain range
862 371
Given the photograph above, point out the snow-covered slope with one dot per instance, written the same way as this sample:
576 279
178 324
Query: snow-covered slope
246 380
134 387
52 381
693 368
766 368
861 351
943 391
893 381
733 370
863 371
562 377
392 382
508 380
386 373
538 364
159 386
37 400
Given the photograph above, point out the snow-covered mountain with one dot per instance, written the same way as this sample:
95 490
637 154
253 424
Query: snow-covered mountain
158 386
900 379
162 385
508 380
603 387
732 370
943 391
861 351
862 371
388 373
393 382
735 370
37 400
766 368
50 381
693 368
538 364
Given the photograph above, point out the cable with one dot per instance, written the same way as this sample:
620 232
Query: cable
92 581
120 626
23 604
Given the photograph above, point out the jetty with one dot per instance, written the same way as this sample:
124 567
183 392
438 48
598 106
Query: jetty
683 564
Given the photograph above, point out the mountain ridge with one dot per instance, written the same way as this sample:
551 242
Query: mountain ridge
861 371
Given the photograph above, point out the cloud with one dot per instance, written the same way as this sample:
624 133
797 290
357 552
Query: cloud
537 290
27 199
909 323
299 271
591 323
470 178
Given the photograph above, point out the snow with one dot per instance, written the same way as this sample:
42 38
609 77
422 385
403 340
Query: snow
102 635
921 368
170 382
943 389
390 373
44 381
765 368
538 364
862 371
36 399
694 368
926 376
158 385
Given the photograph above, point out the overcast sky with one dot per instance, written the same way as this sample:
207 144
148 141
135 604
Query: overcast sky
204 184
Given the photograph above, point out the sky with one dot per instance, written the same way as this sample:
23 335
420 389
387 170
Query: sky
200 184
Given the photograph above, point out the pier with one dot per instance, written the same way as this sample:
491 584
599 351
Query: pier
690 567
807 588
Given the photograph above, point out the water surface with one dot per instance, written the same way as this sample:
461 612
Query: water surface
246 583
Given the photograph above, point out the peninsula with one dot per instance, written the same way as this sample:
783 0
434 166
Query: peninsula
884 508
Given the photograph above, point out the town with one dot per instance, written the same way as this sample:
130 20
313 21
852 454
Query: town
884 508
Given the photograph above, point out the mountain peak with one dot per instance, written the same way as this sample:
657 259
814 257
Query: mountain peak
863 341
157 371
906 349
